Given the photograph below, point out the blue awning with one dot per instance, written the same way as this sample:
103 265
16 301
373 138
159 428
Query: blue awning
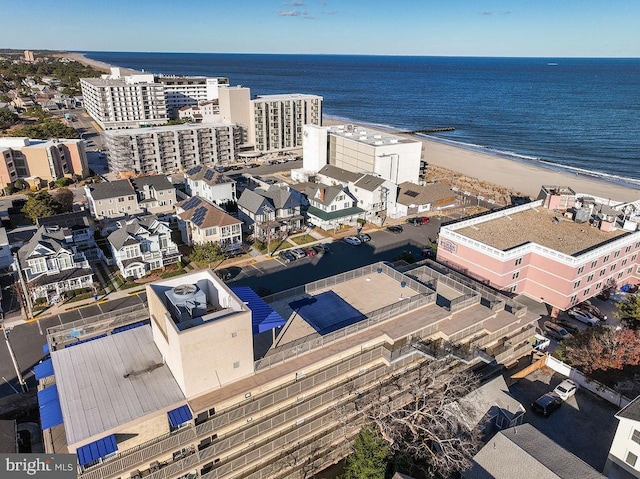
50 412
179 416
45 348
44 369
97 450
263 318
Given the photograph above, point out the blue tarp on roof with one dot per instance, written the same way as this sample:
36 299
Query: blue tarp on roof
45 348
97 450
179 416
44 369
263 318
50 412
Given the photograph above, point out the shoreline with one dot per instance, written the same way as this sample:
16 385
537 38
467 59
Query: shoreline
102 66
491 168
511 173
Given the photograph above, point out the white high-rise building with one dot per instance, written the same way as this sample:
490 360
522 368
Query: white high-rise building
115 101
277 120
173 148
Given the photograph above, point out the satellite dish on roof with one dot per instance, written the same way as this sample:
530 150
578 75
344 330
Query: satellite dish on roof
184 289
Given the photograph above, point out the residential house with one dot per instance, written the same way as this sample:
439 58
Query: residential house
523 452
211 185
331 206
5 250
78 224
622 462
202 222
52 264
374 194
415 199
270 213
113 199
142 244
156 194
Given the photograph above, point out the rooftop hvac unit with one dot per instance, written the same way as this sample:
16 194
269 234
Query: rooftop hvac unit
135 474
154 466
581 215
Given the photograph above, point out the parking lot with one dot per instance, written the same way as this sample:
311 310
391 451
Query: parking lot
584 425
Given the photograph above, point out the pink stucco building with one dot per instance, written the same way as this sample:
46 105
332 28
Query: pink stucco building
561 249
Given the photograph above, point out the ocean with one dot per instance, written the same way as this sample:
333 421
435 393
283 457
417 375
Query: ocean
577 114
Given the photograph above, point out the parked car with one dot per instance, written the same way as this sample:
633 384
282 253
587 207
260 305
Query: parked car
321 248
568 325
226 274
364 237
395 229
418 220
556 331
546 404
565 389
310 252
298 253
583 316
353 241
428 253
286 257
590 308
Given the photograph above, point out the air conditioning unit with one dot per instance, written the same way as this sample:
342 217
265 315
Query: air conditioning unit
155 465
135 474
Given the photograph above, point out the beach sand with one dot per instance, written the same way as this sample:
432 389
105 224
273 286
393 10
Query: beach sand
497 178
102 66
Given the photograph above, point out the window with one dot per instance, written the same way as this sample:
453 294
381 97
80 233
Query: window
236 365
576 284
515 275
602 271
635 437
64 261
518 261
580 269
616 254
38 265
599 285
633 258
605 259
121 200
613 267
513 288
574 299
594 264
589 278
620 274
586 291
624 262
631 459
627 249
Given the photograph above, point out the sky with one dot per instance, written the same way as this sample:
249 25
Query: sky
508 28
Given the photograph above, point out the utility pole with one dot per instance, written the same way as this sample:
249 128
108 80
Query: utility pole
27 298
23 384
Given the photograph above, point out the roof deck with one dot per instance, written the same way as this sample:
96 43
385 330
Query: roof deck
541 226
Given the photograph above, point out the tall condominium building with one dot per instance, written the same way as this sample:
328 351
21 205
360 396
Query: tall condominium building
133 101
181 91
277 120
216 382
561 249
41 161
169 149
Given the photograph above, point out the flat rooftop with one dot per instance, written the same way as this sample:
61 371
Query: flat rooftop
367 135
111 381
286 96
538 226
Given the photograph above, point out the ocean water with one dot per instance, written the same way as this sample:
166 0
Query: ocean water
572 114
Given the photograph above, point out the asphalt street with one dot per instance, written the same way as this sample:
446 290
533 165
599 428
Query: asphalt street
27 339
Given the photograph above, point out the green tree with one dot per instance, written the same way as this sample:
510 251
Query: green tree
628 311
62 182
64 199
7 118
369 457
39 205
20 184
45 130
206 253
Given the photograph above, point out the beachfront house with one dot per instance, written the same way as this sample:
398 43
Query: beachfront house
426 198
330 207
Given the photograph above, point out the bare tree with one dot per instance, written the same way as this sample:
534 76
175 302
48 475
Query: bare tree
421 415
